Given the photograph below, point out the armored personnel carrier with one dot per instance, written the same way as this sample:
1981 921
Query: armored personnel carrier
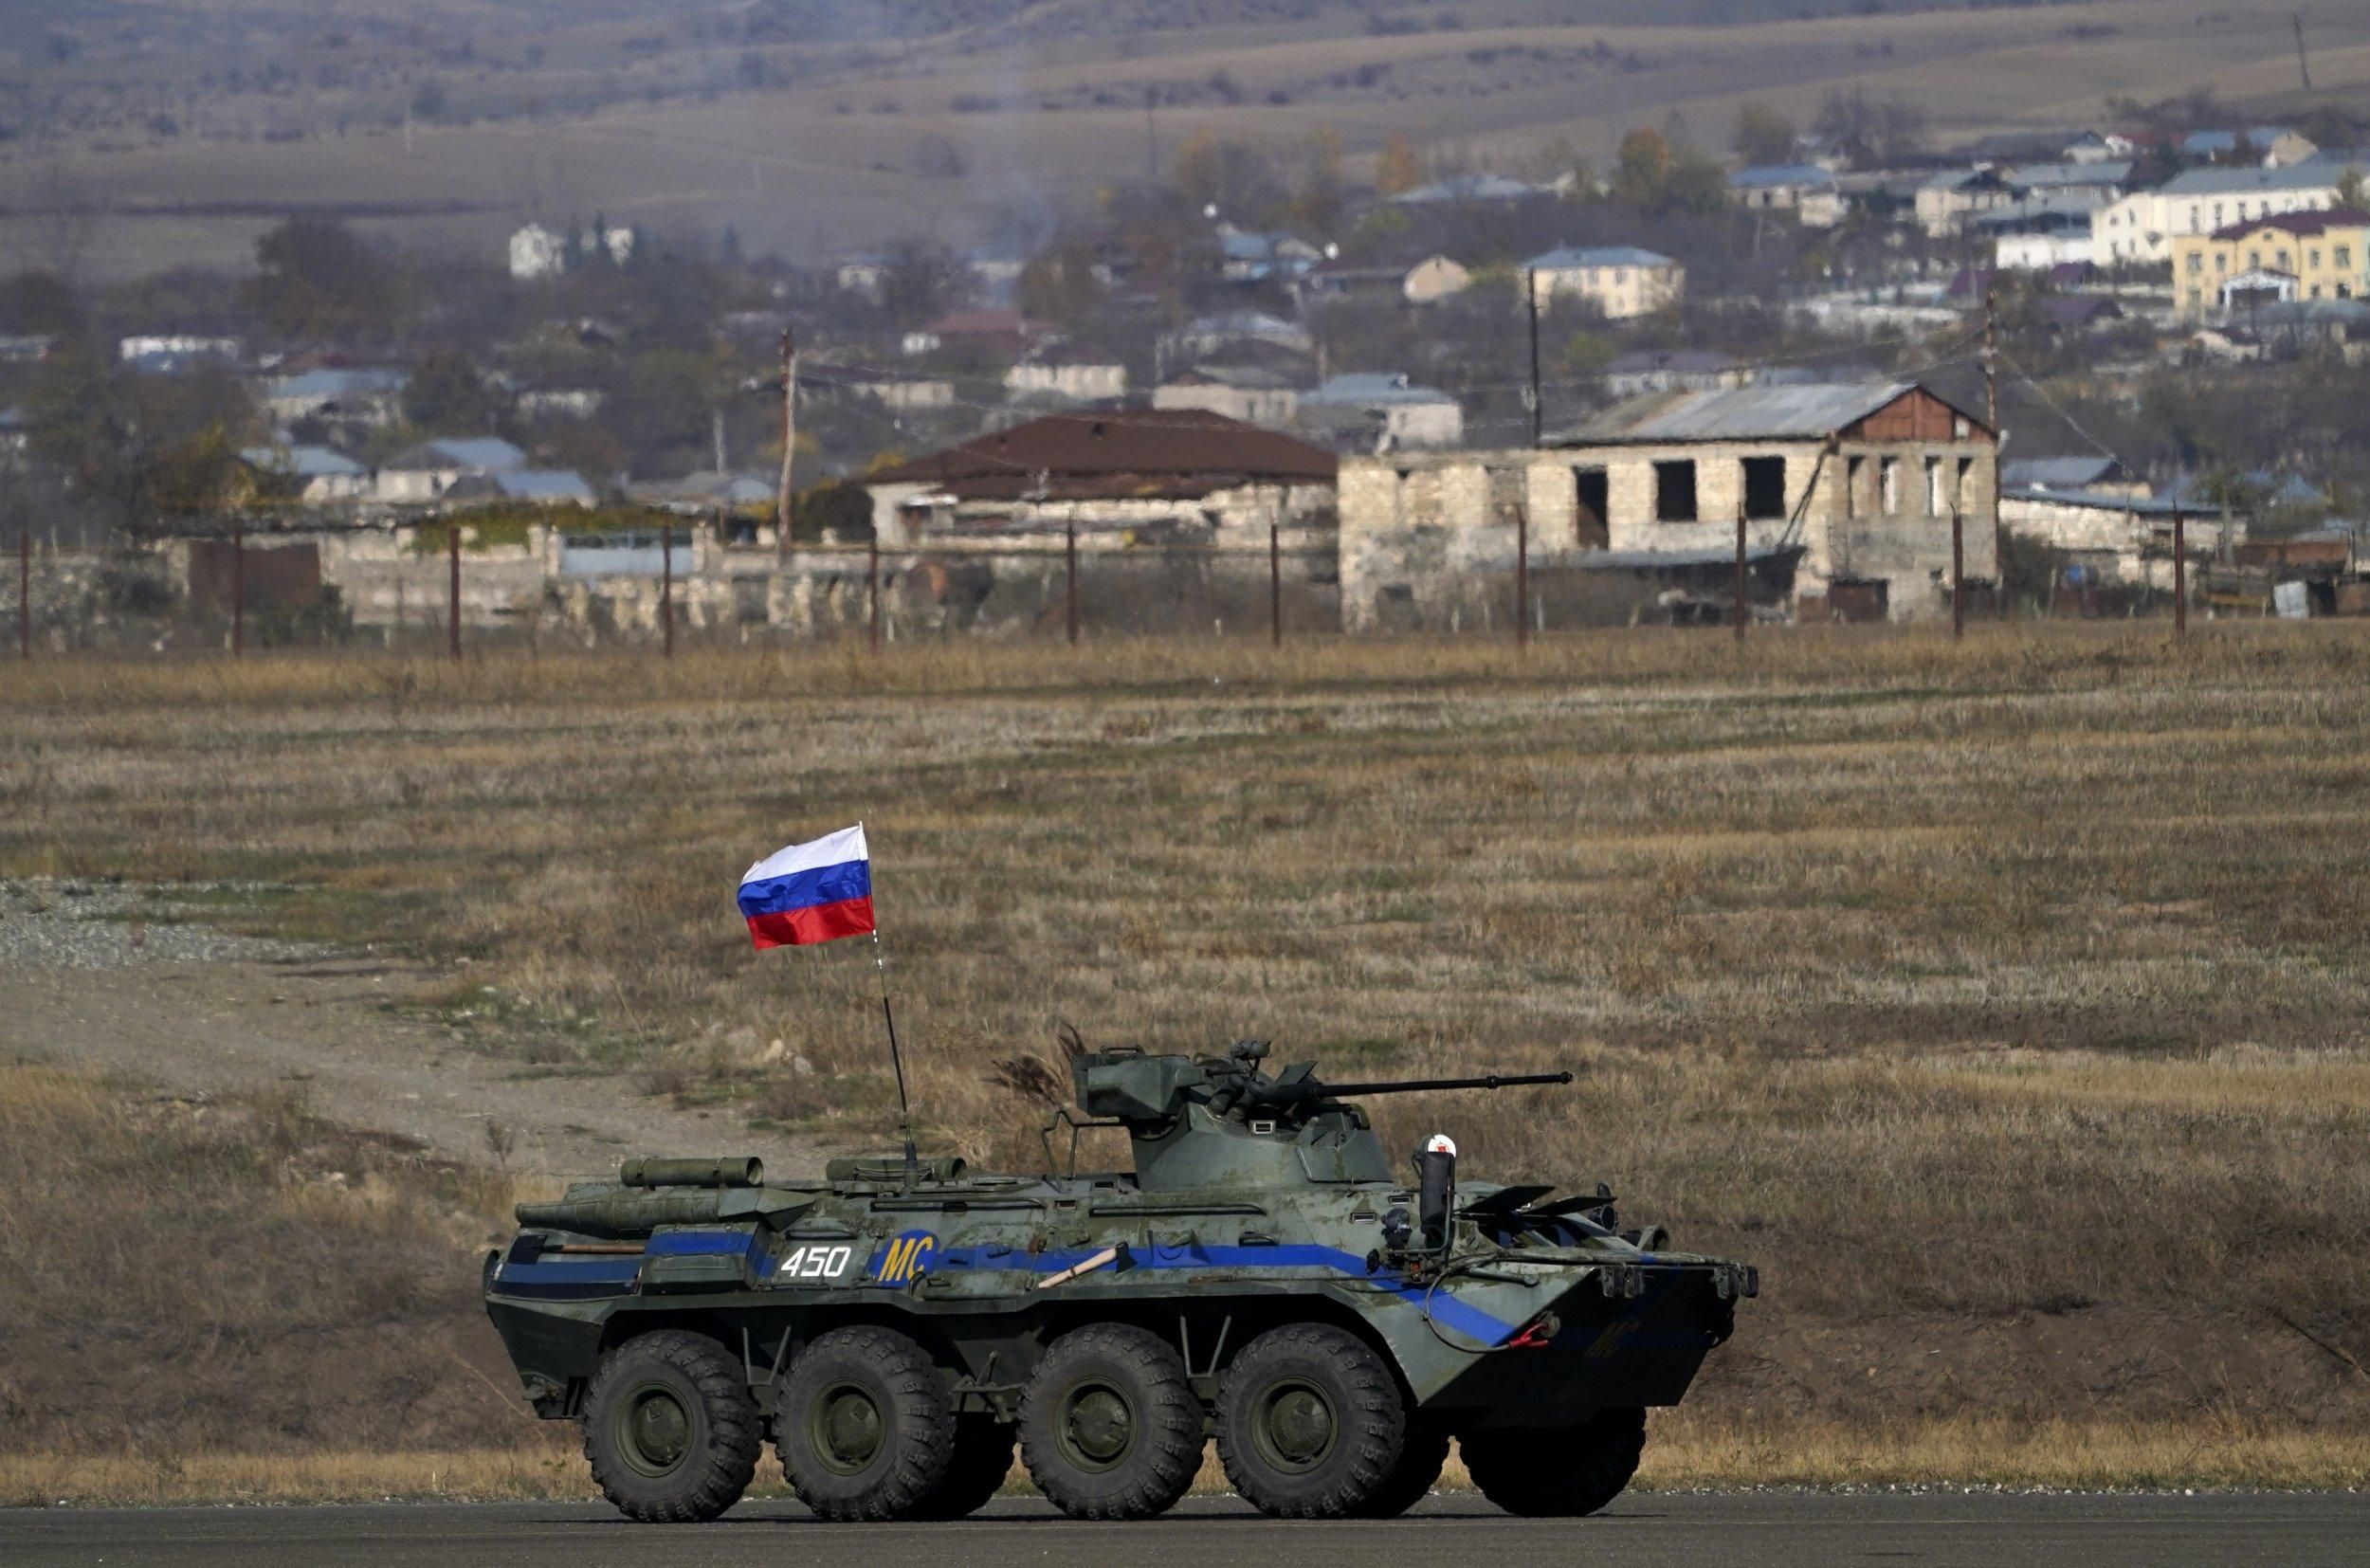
1264 1276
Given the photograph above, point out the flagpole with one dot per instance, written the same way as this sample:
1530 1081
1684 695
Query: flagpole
897 1059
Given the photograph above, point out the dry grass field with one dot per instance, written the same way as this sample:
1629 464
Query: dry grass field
839 155
2003 1002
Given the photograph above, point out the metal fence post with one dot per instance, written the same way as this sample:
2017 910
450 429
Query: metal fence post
2180 573
666 589
1743 605
238 587
1275 586
1522 576
1071 585
452 597
872 593
1958 574
24 592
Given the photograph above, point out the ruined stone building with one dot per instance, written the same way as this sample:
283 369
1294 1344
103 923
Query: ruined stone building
1846 492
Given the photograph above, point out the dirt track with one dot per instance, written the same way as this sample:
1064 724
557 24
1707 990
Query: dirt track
196 1013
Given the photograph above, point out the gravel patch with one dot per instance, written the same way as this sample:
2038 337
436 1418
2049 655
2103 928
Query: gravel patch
52 924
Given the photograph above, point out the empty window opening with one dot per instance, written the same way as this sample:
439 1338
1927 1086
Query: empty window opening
1766 489
1590 497
1966 472
1935 504
1854 476
1674 491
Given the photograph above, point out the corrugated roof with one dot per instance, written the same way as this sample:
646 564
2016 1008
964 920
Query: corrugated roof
2307 175
2058 473
1569 257
1373 386
2317 221
1739 413
1201 450
2046 175
1771 176
490 453
545 484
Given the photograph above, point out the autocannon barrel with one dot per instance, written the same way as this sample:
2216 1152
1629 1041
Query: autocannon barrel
1311 1090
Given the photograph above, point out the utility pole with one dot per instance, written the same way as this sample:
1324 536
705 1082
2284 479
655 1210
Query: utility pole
1957 574
1275 586
1744 602
1991 417
453 596
2180 573
1522 576
667 588
2304 62
872 593
1069 584
790 441
238 586
1539 411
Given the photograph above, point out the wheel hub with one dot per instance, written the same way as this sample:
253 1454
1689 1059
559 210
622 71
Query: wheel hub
848 1429
1098 1427
656 1430
1296 1426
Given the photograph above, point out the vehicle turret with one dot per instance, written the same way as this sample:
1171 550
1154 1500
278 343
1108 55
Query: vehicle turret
1200 1121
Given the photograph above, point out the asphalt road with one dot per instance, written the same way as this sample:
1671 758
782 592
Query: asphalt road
1767 1529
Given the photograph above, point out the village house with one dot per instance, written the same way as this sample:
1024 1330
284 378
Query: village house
1621 280
1254 393
2317 255
2104 475
2271 146
1644 370
1947 201
424 473
2099 147
1847 495
362 396
538 253
2115 531
1124 475
2141 227
1807 191
1227 333
900 390
1434 279
1380 413
1063 378
316 476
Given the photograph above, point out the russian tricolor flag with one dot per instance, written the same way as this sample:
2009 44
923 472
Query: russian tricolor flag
810 892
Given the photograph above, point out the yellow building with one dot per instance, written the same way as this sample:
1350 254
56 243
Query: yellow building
2294 256
1621 280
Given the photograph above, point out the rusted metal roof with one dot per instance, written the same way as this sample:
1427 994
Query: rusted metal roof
1119 452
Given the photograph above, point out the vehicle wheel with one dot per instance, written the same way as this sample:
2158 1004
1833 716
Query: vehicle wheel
669 1428
864 1427
1310 1423
1411 1480
983 1457
1559 1474
1109 1427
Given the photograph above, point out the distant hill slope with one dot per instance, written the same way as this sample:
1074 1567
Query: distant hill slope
817 128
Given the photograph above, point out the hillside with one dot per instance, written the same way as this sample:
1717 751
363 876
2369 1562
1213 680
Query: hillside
818 129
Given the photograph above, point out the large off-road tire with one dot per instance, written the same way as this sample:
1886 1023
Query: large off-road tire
1421 1457
1109 1427
1559 1474
669 1428
1311 1424
864 1427
983 1458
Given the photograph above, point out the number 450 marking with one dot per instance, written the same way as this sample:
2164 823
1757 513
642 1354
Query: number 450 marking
813 1263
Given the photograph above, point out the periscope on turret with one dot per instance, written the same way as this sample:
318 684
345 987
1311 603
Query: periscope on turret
1264 1277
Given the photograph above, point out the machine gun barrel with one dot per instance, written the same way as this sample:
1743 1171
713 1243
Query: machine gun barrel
1311 1090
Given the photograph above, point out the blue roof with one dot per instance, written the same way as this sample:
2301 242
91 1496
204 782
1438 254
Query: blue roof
2209 143
2307 175
304 462
337 383
1372 386
2046 175
1565 258
545 484
1764 177
490 453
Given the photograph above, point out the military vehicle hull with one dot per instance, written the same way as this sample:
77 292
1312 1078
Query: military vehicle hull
1297 1321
